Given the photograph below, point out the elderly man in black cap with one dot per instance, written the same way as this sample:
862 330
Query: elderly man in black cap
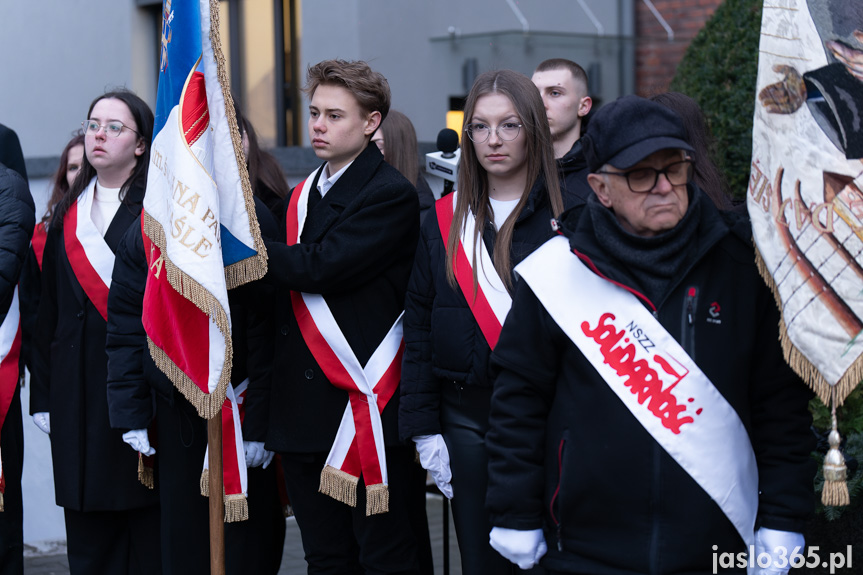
643 419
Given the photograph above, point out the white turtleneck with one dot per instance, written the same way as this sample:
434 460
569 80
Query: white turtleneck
106 202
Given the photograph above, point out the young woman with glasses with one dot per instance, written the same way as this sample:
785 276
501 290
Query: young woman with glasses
460 291
112 520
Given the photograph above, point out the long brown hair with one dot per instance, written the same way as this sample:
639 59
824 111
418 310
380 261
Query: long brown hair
143 116
266 176
61 184
400 145
473 185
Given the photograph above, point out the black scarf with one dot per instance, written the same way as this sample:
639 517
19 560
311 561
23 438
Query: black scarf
652 262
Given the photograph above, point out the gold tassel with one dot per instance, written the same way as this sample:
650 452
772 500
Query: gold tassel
145 474
377 499
205 483
289 511
2 503
236 508
835 492
339 485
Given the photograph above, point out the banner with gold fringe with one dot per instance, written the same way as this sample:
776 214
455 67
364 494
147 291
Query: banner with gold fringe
201 233
805 195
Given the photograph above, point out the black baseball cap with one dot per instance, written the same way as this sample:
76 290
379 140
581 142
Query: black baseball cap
627 130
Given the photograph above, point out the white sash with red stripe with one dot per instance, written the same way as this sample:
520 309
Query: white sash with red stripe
91 258
10 350
492 301
359 445
653 376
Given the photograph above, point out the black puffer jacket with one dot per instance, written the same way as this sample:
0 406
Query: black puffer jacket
568 456
573 170
17 218
443 342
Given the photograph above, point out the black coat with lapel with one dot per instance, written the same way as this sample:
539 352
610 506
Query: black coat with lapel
356 249
94 470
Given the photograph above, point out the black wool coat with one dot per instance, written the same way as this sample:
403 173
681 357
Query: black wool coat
17 218
565 453
443 341
94 470
573 176
356 250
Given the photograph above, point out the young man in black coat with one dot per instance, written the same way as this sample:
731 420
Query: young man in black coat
17 218
563 86
351 233
648 428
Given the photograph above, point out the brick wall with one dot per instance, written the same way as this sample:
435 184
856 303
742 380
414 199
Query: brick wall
656 58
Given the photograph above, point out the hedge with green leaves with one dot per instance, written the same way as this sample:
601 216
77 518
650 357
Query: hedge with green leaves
719 72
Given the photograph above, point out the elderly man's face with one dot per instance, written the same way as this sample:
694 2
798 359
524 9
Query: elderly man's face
643 214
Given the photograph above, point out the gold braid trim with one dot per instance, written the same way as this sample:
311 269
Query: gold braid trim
828 394
208 404
255 267
2 503
236 508
377 499
145 474
339 485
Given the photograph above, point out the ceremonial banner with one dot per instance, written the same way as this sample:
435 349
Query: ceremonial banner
805 192
202 236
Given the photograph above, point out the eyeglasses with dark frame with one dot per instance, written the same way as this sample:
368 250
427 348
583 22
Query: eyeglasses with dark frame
642 180
113 129
479 132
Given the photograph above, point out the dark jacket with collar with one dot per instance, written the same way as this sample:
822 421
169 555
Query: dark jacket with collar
566 455
443 341
94 470
573 176
17 216
356 249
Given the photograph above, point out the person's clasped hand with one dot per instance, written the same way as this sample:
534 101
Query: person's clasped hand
524 548
256 454
139 440
434 457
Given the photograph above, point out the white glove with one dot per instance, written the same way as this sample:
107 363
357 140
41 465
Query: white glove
256 454
781 546
434 457
139 440
524 548
43 421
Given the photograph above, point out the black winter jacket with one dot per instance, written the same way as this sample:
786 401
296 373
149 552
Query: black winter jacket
566 454
573 172
133 376
443 342
17 218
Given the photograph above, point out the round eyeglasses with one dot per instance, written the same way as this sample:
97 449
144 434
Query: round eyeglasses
113 129
479 132
642 180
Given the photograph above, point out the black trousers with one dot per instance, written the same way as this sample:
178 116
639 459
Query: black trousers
253 546
464 423
12 518
113 542
342 540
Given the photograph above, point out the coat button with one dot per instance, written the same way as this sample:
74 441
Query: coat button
284 330
309 374
80 314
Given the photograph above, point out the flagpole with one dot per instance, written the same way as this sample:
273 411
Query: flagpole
217 503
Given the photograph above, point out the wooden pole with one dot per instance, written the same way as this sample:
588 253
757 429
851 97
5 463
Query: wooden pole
217 503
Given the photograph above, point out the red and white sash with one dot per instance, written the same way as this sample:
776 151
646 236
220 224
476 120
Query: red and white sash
10 350
91 258
235 478
653 376
359 445
40 234
491 302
